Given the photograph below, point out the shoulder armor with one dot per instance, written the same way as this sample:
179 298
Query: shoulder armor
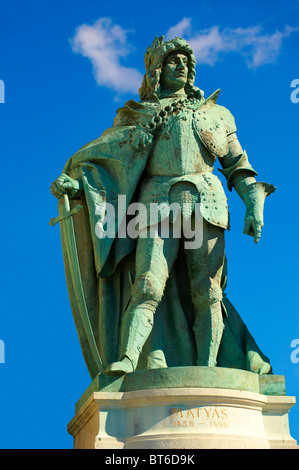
134 112
213 124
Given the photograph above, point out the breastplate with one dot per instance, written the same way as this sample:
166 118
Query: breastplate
177 149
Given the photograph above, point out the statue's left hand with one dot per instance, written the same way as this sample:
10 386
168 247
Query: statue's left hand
254 197
253 225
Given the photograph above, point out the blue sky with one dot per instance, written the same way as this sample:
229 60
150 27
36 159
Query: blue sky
59 96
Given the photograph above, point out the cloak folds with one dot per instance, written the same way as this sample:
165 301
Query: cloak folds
107 167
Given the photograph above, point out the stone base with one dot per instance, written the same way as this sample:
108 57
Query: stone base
184 417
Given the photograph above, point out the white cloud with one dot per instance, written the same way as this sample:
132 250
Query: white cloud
105 44
257 47
182 28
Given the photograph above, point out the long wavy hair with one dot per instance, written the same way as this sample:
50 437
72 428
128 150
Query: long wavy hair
154 59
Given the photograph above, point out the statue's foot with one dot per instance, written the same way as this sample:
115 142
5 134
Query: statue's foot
261 368
124 366
258 365
265 368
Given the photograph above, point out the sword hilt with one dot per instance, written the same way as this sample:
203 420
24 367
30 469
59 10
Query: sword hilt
75 210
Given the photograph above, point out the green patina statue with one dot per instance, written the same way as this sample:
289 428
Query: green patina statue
147 300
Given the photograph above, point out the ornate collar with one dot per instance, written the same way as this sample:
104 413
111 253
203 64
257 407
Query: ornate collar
174 95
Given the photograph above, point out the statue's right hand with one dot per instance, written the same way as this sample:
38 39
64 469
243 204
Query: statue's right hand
64 184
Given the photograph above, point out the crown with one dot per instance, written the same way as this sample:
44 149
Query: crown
152 50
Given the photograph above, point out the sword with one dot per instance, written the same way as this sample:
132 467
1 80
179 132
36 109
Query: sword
80 312
64 216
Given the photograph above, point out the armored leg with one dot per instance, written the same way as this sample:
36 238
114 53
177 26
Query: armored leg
154 260
205 267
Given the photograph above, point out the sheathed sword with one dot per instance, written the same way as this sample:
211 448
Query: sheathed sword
79 307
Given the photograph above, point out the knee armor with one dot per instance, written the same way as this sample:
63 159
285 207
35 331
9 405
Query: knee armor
147 287
205 293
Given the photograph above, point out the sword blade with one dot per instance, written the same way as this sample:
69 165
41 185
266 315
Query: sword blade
80 311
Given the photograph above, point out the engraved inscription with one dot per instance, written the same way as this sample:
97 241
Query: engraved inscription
216 417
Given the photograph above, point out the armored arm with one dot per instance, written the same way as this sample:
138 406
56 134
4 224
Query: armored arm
240 175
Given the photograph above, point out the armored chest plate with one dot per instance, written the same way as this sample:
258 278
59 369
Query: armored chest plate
177 149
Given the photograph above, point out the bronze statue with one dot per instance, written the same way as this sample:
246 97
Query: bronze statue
151 301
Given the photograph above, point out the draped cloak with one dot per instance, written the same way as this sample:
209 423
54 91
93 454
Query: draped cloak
108 167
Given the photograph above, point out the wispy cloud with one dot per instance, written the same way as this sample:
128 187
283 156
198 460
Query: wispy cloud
209 45
105 44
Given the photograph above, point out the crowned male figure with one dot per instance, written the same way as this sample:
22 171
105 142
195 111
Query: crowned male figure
184 135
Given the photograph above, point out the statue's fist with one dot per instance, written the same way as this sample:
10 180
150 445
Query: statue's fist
64 184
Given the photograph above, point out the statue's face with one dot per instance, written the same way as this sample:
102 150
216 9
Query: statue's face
174 73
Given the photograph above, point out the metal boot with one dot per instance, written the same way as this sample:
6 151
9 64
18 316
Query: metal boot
136 327
208 329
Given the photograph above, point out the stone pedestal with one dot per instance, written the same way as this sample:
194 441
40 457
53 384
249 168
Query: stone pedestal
239 414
